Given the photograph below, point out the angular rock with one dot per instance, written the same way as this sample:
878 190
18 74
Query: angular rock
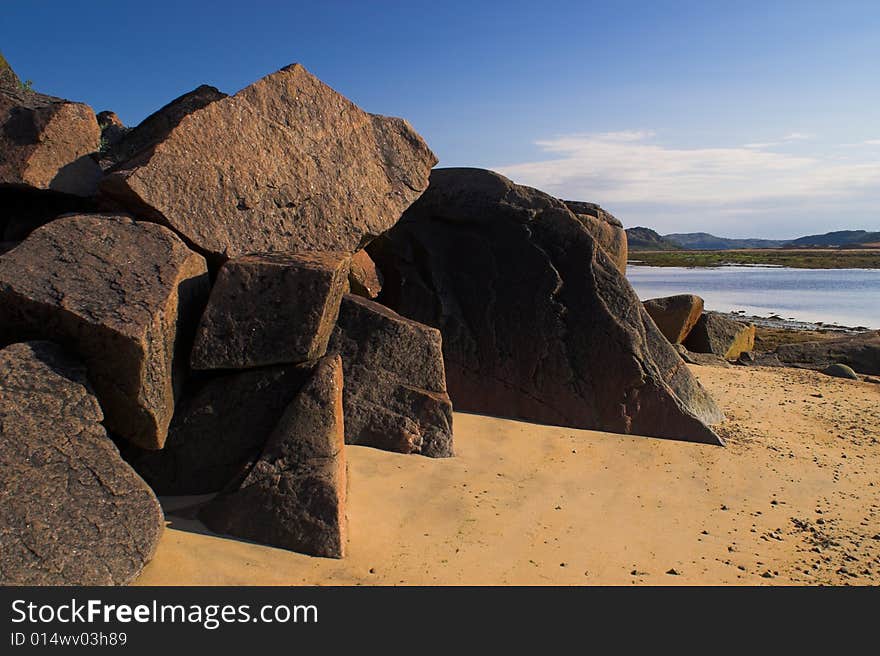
364 279
293 496
395 386
537 321
219 425
860 351
262 171
271 308
715 333
123 295
45 142
71 511
156 127
675 316
605 229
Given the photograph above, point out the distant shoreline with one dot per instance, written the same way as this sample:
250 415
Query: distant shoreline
791 258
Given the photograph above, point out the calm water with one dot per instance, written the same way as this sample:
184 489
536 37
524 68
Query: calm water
849 297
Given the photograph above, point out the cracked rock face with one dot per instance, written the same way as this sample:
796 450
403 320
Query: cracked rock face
286 164
124 296
219 425
72 512
675 316
395 386
604 228
716 334
537 321
293 495
46 142
272 308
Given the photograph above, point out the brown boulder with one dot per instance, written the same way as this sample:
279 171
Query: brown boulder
125 296
364 279
861 352
605 229
220 424
271 308
126 143
715 333
537 321
293 496
675 316
262 171
395 386
45 142
71 511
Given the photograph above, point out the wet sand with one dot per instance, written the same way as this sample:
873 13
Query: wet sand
793 499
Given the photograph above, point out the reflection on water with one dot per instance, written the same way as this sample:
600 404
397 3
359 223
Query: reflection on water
849 297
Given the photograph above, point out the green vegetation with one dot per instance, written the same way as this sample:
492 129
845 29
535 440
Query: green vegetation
794 258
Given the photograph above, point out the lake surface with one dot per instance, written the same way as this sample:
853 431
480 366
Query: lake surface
848 297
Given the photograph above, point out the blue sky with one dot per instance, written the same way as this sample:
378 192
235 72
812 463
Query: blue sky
737 118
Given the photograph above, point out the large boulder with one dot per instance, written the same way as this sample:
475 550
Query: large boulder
395 394
123 144
71 511
714 333
286 164
45 142
605 229
220 423
675 316
293 495
271 308
537 321
861 352
125 296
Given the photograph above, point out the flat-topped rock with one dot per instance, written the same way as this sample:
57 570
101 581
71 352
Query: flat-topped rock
272 308
861 352
46 142
395 394
286 164
537 321
123 295
675 316
293 495
72 512
716 334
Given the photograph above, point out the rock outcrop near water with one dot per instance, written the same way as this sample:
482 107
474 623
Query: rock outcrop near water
537 321
860 352
72 512
286 164
675 316
604 228
716 334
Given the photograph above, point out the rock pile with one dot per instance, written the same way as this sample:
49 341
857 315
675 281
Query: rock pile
189 306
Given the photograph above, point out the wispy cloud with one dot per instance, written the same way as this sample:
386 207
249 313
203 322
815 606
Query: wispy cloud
872 142
629 168
797 136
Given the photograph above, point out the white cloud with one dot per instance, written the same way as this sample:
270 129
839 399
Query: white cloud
797 136
872 142
628 168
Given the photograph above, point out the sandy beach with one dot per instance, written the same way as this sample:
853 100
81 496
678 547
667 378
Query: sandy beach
794 498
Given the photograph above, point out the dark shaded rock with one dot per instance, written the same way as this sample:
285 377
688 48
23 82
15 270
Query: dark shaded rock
675 316
71 511
704 359
605 229
715 333
537 321
840 371
273 308
219 425
123 295
262 171
6 246
45 142
758 359
395 387
364 279
23 210
112 130
156 127
293 496
861 352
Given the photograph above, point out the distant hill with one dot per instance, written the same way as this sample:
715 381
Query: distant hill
703 241
645 239
838 238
